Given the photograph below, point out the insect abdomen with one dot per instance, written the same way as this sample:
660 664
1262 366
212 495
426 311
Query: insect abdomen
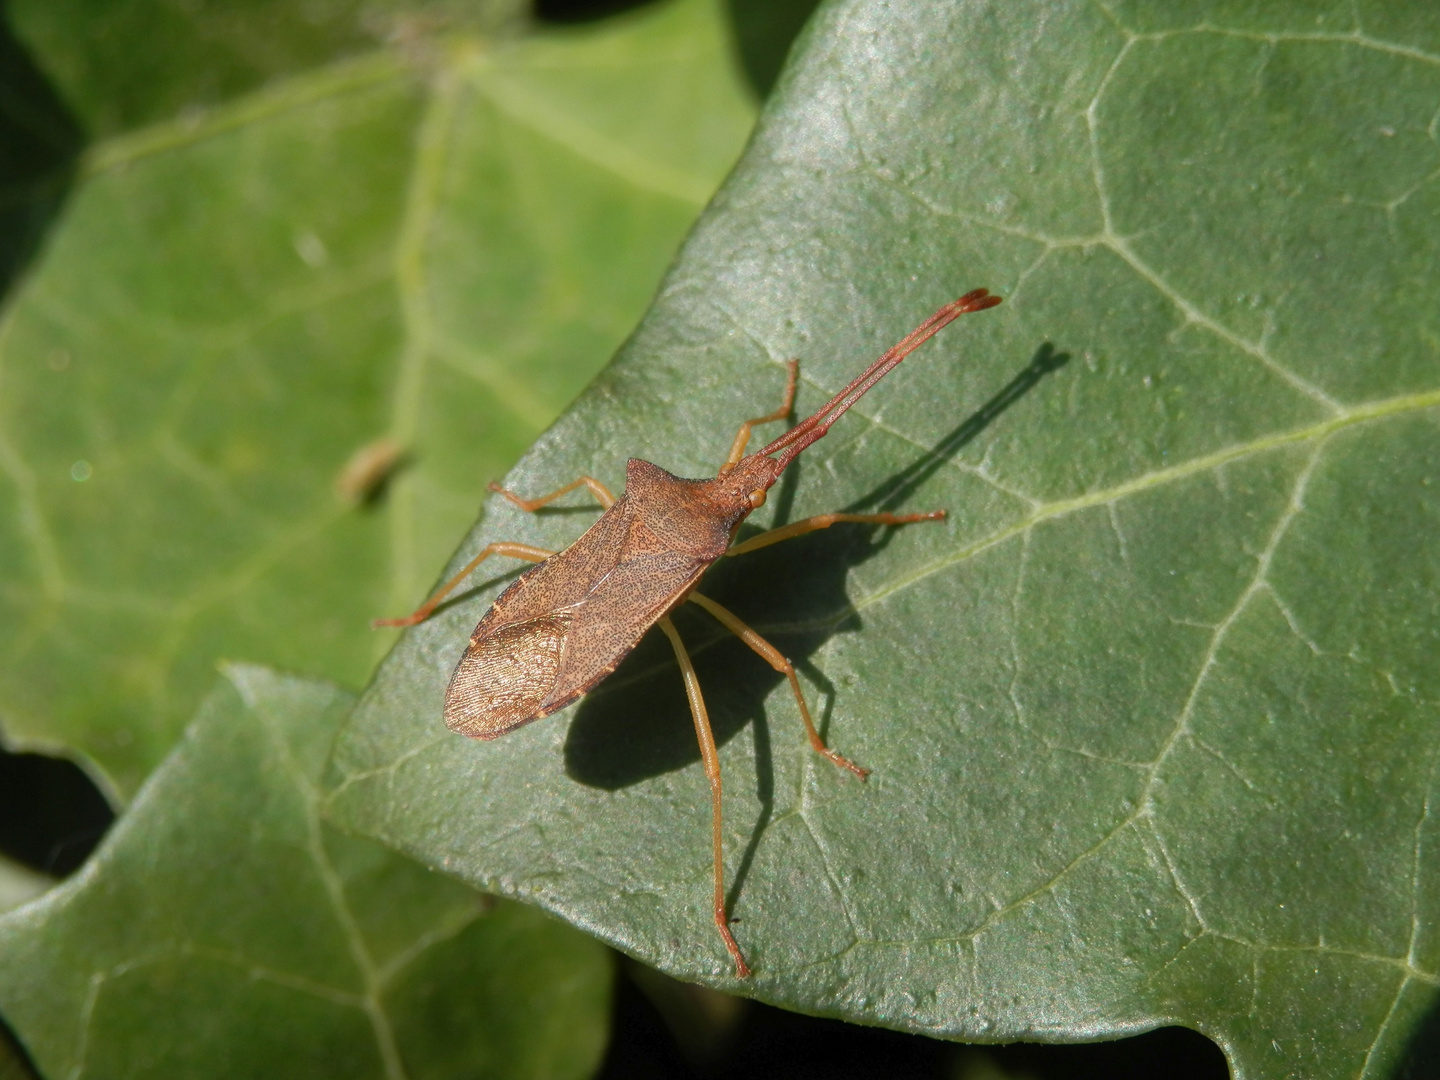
503 678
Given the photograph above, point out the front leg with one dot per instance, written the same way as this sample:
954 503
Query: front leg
600 491
513 550
742 437
777 660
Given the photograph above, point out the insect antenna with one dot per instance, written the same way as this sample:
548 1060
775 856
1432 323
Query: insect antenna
809 431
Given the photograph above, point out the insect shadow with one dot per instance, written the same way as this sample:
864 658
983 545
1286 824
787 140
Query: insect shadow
1422 1051
635 725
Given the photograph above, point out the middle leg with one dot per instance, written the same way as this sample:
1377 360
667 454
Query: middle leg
776 659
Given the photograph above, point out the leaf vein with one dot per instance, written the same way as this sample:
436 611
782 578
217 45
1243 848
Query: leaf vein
835 883
1380 1030
609 155
345 77
1371 411
1293 508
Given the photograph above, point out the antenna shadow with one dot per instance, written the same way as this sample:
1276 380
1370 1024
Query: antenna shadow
898 488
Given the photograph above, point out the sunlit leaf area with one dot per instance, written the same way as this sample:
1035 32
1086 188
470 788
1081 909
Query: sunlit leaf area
1151 718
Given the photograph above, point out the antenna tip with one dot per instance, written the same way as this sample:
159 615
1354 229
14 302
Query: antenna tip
976 300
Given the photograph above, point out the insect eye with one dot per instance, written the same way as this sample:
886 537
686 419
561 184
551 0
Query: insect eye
757 499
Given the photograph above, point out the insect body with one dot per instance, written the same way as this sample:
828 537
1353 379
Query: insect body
565 624
576 615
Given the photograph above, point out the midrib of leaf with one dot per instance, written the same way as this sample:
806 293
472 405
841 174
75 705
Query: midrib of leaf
1039 513
421 198
1369 412
370 1001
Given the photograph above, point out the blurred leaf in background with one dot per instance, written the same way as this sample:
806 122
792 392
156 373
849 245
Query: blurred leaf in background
1153 716
435 241
224 930
120 66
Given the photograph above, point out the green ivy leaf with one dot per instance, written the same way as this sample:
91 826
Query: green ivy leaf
1152 717
435 244
223 929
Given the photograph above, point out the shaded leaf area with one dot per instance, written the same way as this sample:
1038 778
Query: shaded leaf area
1152 716
119 66
412 262
764 32
664 1029
223 929
39 146
13 1063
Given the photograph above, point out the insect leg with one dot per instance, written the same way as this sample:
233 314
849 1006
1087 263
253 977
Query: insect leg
600 491
711 759
742 437
824 521
777 660
514 551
